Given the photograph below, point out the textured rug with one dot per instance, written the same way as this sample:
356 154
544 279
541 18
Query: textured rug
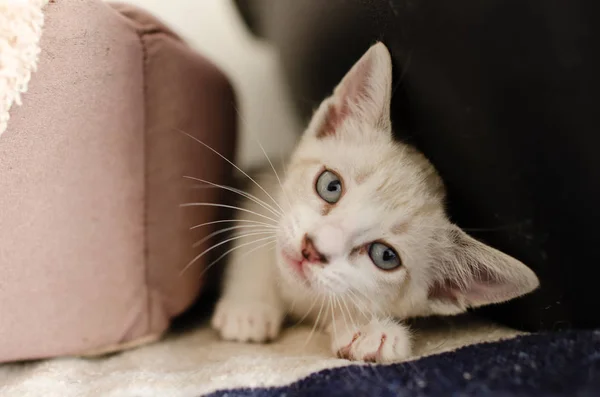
565 364
192 362
459 357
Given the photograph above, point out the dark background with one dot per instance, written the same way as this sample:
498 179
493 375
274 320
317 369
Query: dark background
502 97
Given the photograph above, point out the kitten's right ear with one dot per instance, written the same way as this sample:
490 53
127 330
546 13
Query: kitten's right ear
473 274
363 94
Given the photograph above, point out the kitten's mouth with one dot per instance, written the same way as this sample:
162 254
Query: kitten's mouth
297 264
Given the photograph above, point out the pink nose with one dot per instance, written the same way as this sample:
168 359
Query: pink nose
310 252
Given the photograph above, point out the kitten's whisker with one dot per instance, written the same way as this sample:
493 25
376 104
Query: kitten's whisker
363 306
333 325
292 306
225 230
241 193
373 308
316 323
265 153
283 166
259 247
197 257
357 304
276 174
307 312
323 323
343 301
338 304
364 309
255 233
234 165
237 247
231 221
361 311
228 206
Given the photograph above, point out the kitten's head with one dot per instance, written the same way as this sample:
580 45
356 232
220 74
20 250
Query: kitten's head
365 214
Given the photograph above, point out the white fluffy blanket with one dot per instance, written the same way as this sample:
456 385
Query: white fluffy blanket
193 363
21 24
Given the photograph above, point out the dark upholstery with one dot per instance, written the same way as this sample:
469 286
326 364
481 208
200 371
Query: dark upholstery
502 96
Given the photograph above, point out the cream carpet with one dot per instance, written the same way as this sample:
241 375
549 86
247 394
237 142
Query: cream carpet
194 362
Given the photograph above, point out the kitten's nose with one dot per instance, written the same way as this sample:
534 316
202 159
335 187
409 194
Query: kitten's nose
310 252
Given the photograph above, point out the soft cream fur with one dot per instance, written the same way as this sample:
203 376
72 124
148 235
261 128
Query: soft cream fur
391 194
20 30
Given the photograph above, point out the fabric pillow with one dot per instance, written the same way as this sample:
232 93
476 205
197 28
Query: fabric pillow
92 235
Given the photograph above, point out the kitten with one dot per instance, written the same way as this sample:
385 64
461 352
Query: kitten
361 237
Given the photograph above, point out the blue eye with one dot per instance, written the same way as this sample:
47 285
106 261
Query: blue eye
384 257
329 187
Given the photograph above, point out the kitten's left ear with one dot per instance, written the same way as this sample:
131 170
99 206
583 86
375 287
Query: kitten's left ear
474 274
364 93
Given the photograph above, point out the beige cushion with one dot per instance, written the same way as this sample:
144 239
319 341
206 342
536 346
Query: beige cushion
92 238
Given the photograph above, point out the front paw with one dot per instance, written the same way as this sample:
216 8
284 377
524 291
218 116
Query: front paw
378 342
242 321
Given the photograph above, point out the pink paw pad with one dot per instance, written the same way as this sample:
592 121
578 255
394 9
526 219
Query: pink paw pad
376 356
344 352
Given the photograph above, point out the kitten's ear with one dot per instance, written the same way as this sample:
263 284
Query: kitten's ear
364 94
475 274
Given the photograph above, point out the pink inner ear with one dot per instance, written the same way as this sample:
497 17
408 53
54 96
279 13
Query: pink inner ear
477 292
333 119
352 91
444 291
355 86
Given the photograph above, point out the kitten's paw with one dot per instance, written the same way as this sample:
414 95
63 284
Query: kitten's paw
378 341
247 321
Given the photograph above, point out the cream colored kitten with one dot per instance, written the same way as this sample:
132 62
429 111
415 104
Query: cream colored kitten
362 240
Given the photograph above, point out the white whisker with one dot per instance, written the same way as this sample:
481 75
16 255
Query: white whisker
276 174
234 165
316 323
349 312
241 193
219 244
333 325
225 230
231 221
337 301
361 306
237 247
307 312
227 206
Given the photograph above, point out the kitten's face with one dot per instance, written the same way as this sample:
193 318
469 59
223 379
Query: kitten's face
365 219
370 209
